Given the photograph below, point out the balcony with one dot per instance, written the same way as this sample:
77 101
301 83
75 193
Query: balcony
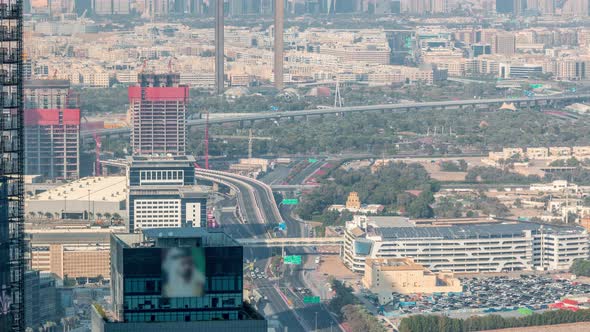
9 166
8 34
7 56
9 11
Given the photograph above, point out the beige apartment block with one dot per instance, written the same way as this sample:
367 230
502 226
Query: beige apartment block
537 153
402 275
560 151
510 152
73 260
581 152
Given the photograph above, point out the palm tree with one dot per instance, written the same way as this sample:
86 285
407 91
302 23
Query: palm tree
116 216
99 215
49 215
107 215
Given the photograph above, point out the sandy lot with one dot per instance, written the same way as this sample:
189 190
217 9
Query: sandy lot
549 328
332 265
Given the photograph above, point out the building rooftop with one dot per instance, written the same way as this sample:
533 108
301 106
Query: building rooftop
107 189
164 237
47 84
186 191
471 231
69 237
395 264
157 161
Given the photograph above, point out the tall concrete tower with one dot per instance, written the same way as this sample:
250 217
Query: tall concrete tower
279 23
219 75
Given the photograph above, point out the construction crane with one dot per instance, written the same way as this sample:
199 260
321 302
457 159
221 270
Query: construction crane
250 139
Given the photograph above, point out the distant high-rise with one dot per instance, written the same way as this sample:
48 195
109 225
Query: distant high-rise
52 130
512 7
177 279
219 47
158 115
505 43
576 8
12 260
278 43
110 7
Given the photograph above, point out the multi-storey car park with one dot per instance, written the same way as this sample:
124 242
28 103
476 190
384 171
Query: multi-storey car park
486 247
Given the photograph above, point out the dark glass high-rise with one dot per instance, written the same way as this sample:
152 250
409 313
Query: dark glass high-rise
12 261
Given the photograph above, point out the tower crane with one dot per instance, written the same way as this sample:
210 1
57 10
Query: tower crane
250 139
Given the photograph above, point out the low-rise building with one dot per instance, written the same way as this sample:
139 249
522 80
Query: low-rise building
383 276
74 254
86 198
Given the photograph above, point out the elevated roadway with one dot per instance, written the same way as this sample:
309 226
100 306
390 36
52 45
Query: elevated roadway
354 109
292 242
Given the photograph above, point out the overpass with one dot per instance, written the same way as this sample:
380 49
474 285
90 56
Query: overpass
252 117
289 187
292 242
255 198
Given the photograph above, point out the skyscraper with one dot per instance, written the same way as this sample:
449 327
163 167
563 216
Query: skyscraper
177 279
12 262
278 43
158 115
52 130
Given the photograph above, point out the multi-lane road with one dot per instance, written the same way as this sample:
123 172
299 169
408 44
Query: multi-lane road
280 299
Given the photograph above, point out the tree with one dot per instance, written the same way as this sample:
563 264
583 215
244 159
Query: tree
69 282
48 215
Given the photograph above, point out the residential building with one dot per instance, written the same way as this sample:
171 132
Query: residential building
466 248
52 130
148 296
158 115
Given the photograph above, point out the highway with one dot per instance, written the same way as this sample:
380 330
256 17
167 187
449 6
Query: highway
280 301
250 196
354 109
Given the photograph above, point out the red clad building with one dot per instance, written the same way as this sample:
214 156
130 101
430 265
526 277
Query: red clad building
158 115
52 130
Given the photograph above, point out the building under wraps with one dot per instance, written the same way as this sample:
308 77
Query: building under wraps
52 130
158 114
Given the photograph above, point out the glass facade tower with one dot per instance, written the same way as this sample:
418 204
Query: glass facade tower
12 261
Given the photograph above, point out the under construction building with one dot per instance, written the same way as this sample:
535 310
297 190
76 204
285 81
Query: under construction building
52 130
12 259
158 115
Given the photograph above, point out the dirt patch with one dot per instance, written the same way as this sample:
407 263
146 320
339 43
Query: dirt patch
549 328
332 265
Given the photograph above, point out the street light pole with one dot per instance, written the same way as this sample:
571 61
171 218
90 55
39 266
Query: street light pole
316 321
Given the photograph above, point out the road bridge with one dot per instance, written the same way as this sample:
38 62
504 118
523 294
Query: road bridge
252 117
292 242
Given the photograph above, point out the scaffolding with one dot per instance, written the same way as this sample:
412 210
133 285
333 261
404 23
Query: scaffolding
12 260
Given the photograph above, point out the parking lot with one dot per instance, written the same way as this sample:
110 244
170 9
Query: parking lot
493 294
